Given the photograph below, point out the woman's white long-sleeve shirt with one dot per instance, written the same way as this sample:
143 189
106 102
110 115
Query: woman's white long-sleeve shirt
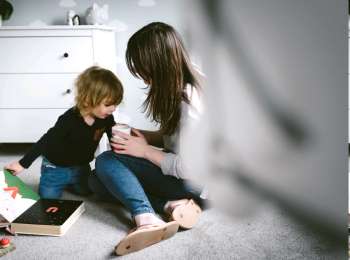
172 163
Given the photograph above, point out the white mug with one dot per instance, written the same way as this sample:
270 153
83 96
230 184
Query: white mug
121 128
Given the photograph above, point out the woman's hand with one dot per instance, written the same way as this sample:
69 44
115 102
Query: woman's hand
135 145
15 168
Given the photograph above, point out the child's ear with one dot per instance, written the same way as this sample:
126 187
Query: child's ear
86 104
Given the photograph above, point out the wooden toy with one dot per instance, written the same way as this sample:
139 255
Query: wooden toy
6 246
6 250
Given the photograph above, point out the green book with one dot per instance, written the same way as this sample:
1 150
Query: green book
15 197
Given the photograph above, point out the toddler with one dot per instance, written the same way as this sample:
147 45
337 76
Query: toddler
69 146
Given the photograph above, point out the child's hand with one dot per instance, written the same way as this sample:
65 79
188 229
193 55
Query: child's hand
15 168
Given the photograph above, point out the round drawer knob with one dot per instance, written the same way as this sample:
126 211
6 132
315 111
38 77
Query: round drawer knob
68 91
65 55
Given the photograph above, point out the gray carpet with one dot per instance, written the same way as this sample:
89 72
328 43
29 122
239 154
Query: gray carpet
270 234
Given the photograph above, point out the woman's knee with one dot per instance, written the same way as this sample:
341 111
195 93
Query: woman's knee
103 158
108 162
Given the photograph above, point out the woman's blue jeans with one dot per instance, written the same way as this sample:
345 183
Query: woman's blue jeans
139 184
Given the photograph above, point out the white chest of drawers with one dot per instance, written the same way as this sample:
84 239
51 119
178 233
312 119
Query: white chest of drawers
37 67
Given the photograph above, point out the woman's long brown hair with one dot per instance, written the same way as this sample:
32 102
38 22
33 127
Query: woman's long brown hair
157 54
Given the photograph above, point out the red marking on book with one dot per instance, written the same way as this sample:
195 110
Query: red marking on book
54 209
17 188
14 191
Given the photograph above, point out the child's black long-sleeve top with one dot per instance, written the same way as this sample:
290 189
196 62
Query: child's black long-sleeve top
71 141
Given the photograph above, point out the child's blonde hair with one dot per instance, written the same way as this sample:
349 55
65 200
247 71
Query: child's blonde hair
94 85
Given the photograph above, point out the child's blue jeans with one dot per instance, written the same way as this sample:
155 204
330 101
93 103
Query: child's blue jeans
54 179
139 184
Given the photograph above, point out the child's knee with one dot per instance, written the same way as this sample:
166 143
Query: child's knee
49 193
85 192
93 180
82 189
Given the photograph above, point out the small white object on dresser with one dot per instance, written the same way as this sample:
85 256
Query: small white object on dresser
38 66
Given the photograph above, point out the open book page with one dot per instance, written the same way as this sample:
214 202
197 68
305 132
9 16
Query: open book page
4 222
15 197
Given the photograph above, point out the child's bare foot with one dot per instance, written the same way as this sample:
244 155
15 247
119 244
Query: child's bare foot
170 205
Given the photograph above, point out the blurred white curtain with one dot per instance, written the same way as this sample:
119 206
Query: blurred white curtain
275 124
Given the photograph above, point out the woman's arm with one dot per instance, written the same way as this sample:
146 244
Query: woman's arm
154 138
171 164
137 146
155 156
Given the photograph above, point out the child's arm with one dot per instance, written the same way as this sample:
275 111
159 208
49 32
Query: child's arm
49 139
109 126
15 168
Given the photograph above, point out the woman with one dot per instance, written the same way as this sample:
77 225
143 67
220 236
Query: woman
145 179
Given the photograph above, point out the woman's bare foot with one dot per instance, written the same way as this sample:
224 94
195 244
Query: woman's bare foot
148 219
169 206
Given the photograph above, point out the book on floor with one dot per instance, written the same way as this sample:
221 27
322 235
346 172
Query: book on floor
27 213
48 217
15 197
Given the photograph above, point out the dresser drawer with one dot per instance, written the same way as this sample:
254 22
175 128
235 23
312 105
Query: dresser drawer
26 126
36 90
45 54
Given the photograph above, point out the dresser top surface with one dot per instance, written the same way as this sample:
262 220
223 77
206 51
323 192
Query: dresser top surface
58 27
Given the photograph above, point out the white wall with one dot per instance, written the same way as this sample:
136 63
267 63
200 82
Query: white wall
127 16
